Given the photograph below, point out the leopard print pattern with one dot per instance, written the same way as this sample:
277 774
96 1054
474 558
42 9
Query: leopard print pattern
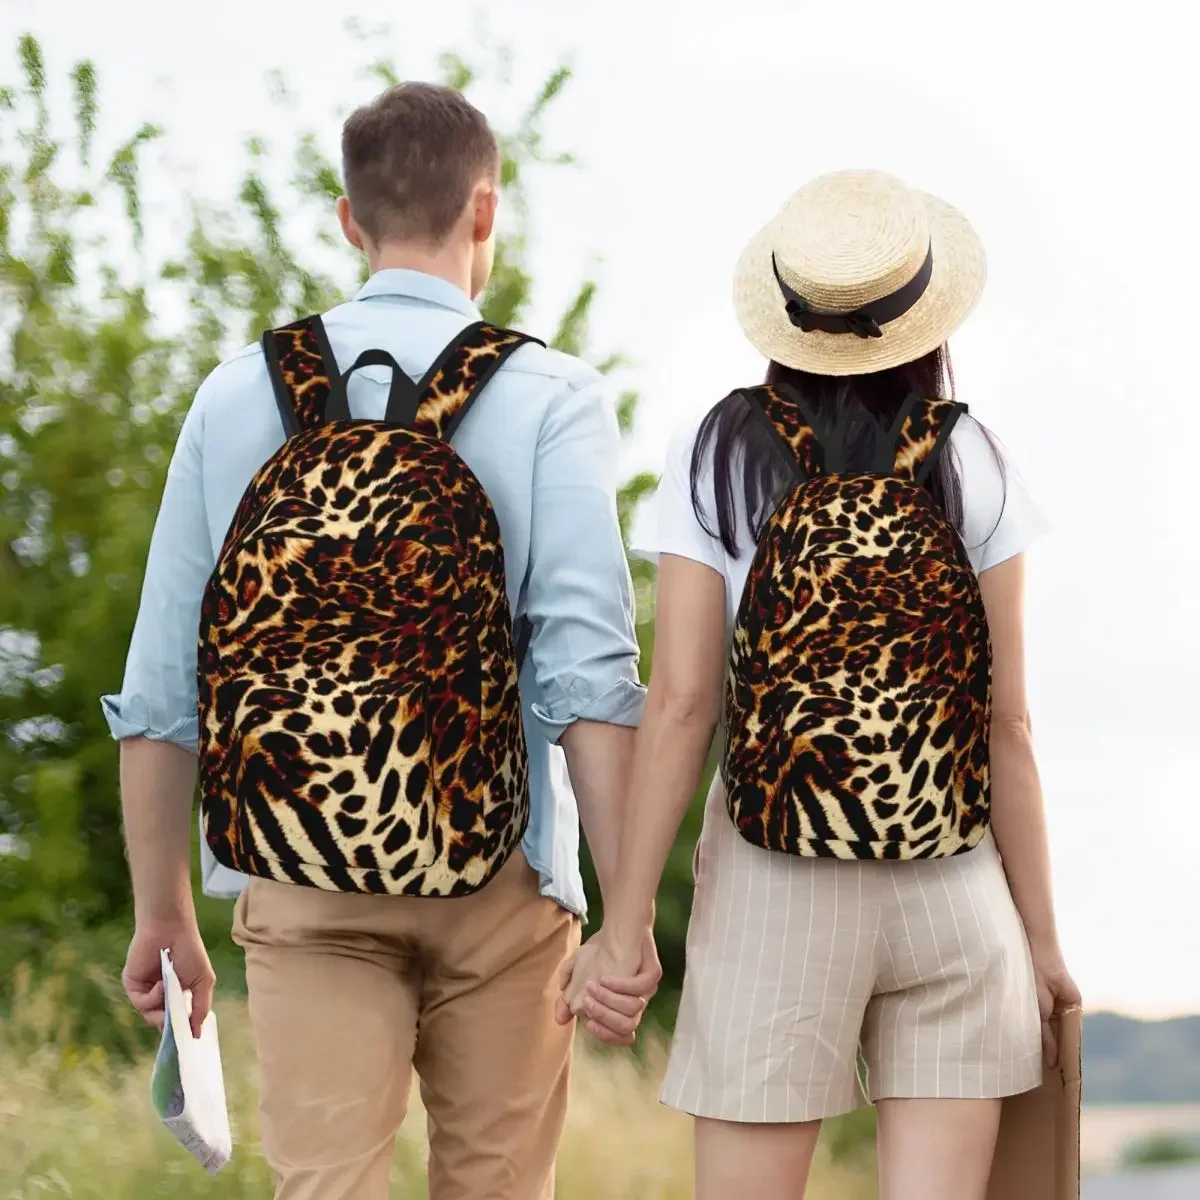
858 696
453 380
785 418
360 719
919 436
304 372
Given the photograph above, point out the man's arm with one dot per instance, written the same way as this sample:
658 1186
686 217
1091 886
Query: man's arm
155 719
598 760
158 780
579 599
157 783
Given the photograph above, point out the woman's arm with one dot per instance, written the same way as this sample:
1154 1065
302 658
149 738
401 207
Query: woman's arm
1018 814
1018 817
683 704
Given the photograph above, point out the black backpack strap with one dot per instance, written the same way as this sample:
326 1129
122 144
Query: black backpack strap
792 425
304 375
524 634
923 435
459 374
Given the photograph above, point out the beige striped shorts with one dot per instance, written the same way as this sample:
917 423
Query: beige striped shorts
799 968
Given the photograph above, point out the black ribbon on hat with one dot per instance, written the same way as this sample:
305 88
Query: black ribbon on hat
866 321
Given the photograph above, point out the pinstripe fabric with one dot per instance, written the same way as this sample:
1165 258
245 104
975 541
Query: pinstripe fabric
795 964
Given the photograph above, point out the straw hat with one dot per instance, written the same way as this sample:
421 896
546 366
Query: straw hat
858 273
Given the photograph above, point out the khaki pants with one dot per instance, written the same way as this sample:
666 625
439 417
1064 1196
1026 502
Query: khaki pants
348 993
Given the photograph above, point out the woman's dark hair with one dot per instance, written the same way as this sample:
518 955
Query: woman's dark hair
855 409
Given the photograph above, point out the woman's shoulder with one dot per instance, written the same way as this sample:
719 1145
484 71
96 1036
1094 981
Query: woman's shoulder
681 441
672 524
689 457
981 461
1000 516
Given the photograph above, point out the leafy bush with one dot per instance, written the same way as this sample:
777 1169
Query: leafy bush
1160 1150
94 380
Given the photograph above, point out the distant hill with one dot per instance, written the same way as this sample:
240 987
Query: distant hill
1126 1061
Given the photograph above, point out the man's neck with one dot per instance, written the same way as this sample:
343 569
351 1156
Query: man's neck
451 263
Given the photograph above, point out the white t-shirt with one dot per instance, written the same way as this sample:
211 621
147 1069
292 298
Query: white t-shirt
1000 518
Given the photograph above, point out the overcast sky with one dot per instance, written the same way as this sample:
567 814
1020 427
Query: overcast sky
1066 136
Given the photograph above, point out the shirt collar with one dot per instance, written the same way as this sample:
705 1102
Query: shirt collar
416 285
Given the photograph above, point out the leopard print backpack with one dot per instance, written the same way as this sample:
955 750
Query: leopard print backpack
858 693
360 724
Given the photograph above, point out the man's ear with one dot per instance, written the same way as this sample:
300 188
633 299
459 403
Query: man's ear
350 229
486 200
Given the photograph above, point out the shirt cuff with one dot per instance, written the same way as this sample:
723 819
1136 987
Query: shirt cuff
184 733
622 704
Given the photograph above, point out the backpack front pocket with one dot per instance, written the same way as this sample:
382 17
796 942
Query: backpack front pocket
328 694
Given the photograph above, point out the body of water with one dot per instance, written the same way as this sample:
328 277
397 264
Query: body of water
1160 1183
1107 1129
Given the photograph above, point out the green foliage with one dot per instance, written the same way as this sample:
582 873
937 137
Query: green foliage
1161 1150
93 385
851 1138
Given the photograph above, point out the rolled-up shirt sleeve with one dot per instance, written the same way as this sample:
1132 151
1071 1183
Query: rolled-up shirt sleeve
579 597
158 696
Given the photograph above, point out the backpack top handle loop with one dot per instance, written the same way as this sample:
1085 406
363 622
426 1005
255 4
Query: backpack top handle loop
403 395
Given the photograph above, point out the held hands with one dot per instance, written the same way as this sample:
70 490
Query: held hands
609 987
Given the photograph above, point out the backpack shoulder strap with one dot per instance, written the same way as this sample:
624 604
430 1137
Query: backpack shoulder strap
784 414
459 374
304 375
923 429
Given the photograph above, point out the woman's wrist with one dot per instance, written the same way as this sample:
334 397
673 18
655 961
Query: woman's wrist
1043 942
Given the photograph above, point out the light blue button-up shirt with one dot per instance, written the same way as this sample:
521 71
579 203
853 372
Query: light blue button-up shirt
542 440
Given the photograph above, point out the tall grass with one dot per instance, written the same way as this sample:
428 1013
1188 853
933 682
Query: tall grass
76 1123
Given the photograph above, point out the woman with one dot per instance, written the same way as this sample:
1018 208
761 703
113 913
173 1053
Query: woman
873 872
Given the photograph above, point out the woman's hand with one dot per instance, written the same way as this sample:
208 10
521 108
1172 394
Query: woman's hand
1056 993
610 987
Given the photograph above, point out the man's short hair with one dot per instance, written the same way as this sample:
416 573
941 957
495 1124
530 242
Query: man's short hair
411 158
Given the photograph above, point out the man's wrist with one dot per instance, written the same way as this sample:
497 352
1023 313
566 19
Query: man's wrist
165 912
625 932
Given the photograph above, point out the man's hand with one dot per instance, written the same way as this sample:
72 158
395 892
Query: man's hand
142 977
157 783
609 989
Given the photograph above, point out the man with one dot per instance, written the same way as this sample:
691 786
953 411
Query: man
348 991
